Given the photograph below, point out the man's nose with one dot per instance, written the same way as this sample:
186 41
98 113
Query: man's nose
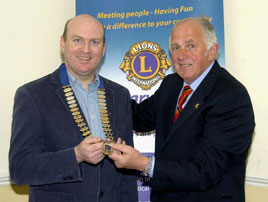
182 53
86 48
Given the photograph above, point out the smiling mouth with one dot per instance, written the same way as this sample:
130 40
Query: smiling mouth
185 65
84 58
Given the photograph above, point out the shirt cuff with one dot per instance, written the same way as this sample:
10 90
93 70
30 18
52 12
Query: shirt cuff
152 168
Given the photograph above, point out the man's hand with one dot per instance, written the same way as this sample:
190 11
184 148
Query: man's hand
126 156
89 150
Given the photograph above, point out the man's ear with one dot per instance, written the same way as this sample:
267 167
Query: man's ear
213 52
103 51
62 44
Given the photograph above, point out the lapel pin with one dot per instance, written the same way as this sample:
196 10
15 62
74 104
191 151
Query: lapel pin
196 105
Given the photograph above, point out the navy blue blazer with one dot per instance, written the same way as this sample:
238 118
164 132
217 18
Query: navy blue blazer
202 157
44 135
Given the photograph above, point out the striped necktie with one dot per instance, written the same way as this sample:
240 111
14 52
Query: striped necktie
186 91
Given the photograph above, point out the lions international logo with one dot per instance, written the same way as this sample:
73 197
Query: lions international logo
145 64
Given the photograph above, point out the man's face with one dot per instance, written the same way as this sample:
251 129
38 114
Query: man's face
84 47
189 52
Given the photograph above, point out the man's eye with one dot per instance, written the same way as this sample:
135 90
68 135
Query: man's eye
95 42
175 48
77 40
191 46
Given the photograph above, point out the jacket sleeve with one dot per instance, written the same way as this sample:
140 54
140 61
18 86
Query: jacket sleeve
144 114
221 146
29 161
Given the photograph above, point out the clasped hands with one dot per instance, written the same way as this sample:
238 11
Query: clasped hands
124 156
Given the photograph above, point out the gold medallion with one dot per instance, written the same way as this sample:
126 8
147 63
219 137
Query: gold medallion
69 98
103 115
87 133
102 107
81 124
71 102
84 129
107 130
76 113
78 120
107 148
69 93
101 96
77 117
73 105
66 90
102 92
74 109
102 104
103 122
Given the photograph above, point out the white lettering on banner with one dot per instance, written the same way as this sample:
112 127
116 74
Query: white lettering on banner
147 188
145 82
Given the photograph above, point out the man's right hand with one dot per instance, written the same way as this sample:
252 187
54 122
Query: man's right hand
89 150
125 156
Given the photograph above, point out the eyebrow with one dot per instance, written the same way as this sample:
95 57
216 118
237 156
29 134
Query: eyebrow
190 40
76 36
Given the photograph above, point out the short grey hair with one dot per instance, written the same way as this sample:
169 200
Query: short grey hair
208 28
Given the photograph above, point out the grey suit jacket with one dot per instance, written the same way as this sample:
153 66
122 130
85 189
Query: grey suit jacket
44 135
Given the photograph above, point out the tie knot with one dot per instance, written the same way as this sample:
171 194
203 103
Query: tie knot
187 90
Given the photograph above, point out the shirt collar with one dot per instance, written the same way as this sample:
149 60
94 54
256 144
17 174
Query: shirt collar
74 81
197 82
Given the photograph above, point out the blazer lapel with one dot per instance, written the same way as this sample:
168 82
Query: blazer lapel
170 106
55 79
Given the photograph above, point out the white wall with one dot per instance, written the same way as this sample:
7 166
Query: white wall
29 38
246 33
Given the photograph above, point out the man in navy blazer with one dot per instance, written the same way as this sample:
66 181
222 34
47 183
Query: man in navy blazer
57 143
201 155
